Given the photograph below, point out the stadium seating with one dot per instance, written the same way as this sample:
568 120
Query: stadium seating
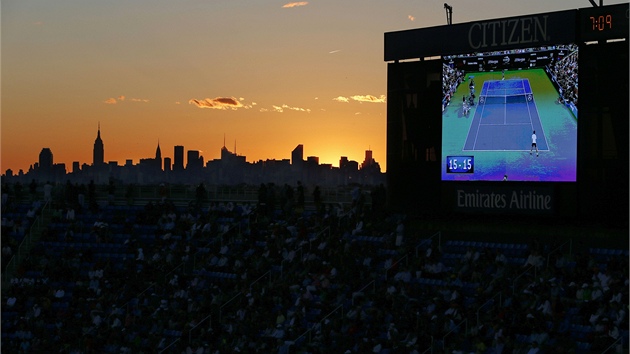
288 284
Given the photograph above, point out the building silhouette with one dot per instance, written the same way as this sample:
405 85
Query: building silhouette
297 156
368 161
167 164
44 168
46 160
98 154
343 162
297 162
194 161
178 162
158 157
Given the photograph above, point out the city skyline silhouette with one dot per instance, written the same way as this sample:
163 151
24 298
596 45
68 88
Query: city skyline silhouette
187 165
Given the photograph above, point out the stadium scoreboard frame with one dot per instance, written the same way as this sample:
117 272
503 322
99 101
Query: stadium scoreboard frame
569 26
414 125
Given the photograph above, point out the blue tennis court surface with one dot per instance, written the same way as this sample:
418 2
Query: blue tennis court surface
505 117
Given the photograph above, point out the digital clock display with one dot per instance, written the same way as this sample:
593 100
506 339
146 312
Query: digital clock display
460 164
601 22
604 22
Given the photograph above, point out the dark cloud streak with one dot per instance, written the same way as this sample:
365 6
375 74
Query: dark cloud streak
217 103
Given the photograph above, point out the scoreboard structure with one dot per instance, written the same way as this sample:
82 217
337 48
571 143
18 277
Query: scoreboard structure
518 115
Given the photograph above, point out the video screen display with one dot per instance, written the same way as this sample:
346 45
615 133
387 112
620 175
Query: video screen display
510 115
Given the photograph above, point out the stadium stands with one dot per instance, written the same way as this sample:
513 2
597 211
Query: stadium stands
225 277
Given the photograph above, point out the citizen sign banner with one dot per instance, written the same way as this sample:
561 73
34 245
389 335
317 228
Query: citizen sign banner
482 36
504 198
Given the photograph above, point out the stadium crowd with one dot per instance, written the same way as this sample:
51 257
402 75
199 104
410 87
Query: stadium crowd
565 73
274 276
451 78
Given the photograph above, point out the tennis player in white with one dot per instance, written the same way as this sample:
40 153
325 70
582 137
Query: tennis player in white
534 144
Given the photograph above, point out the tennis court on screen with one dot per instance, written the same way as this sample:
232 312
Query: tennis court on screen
505 117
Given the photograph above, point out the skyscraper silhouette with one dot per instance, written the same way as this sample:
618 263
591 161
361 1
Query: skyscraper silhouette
46 159
297 156
99 150
158 157
45 162
178 163
194 161
368 161
167 164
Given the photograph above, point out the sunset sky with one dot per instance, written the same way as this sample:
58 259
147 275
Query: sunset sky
267 75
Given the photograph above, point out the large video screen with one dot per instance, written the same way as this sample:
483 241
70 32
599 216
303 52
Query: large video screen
510 115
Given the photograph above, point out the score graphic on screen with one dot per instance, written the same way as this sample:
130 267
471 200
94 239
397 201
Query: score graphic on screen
460 164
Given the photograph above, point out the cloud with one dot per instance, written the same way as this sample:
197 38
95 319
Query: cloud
122 98
369 98
294 4
334 51
299 109
218 103
361 98
281 109
234 103
411 18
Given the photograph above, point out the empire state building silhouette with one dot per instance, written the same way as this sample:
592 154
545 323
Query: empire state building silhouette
99 151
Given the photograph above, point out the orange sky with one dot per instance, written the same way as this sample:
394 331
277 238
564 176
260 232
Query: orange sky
266 75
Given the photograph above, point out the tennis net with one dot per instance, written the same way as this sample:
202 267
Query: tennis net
505 99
